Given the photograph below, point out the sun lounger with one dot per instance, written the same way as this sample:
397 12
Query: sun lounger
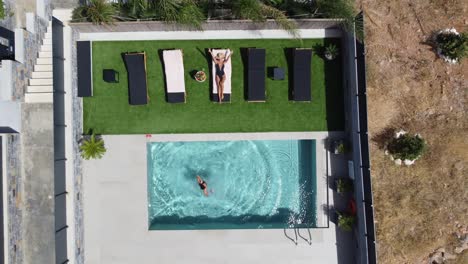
83 54
137 86
256 75
174 71
227 82
301 75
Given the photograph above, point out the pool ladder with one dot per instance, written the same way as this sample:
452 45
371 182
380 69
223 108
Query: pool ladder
297 234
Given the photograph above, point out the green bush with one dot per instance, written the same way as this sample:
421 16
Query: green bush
452 45
407 147
2 10
92 148
331 51
346 222
97 11
344 185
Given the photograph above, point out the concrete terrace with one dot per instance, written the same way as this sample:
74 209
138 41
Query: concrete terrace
116 213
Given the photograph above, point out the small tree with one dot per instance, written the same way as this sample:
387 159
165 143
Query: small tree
452 45
97 11
92 148
406 147
346 222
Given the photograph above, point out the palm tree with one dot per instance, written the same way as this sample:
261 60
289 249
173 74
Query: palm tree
96 11
92 148
185 12
259 11
341 9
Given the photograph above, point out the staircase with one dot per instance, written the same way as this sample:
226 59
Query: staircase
41 88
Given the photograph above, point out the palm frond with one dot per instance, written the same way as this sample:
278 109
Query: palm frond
248 9
167 10
190 14
97 12
340 9
280 18
92 148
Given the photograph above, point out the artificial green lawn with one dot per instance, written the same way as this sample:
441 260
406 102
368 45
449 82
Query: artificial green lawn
108 111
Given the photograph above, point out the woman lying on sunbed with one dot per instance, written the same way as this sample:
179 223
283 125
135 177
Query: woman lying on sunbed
219 60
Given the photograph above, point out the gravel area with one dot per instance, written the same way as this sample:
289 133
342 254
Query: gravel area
77 108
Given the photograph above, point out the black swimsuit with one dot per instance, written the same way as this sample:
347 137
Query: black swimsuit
202 185
219 71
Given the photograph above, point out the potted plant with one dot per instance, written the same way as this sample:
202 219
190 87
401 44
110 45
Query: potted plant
200 76
346 221
92 148
344 185
451 45
331 51
340 147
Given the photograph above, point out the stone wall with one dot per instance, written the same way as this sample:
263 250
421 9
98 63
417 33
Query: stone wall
210 25
77 109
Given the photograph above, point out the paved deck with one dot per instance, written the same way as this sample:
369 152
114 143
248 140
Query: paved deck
116 225
37 198
209 34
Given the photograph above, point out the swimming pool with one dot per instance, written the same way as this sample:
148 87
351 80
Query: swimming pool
252 184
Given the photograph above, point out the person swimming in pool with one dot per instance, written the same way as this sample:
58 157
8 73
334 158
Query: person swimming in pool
203 185
219 60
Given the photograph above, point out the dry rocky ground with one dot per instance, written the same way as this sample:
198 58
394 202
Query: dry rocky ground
421 210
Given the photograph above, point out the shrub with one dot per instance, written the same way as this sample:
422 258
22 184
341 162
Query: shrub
97 11
346 222
407 147
344 185
2 10
331 51
340 147
452 45
92 148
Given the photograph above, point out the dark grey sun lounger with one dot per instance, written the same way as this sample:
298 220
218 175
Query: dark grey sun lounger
83 54
137 87
301 75
256 75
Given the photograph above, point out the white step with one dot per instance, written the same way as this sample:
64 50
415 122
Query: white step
45 54
43 68
39 97
49 81
44 61
42 75
40 89
47 42
48 34
46 48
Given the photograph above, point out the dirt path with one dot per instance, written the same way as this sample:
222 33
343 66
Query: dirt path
418 209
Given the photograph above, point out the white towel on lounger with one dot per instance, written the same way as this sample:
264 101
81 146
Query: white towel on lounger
174 69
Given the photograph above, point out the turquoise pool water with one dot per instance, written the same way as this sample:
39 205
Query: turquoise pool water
252 184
